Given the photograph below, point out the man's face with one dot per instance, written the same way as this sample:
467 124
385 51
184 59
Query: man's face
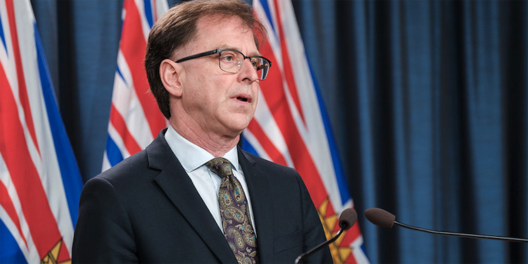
219 102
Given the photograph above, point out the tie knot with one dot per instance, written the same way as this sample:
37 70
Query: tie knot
221 166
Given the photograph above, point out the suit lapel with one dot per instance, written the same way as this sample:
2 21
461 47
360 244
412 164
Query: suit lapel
260 202
177 185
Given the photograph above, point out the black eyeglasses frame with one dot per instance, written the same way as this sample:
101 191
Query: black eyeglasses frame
218 51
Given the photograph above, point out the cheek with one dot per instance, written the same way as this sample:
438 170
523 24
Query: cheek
201 87
256 90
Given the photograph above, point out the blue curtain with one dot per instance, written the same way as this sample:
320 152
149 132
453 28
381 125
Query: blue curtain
428 101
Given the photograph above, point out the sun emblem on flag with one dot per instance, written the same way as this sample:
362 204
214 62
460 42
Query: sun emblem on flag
339 254
53 255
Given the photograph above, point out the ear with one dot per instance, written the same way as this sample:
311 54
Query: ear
170 73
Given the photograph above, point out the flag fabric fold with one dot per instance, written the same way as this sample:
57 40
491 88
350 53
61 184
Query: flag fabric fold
291 128
134 116
40 183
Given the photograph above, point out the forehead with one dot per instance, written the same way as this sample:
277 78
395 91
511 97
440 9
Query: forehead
218 31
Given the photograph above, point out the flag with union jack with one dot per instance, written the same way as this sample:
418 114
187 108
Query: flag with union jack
134 116
291 127
40 183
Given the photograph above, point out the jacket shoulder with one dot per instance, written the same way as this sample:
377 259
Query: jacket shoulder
147 162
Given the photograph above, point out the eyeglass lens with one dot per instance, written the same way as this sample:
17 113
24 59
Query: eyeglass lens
231 61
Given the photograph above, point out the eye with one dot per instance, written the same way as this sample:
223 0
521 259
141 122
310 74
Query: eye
228 56
257 63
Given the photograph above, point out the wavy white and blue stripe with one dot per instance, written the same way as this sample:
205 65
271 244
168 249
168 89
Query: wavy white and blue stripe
40 182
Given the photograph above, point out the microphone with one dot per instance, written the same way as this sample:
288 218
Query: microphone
385 219
346 220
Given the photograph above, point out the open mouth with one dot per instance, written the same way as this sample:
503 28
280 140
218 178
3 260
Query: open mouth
243 99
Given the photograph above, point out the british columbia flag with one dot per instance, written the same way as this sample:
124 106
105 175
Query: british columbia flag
135 119
40 183
291 127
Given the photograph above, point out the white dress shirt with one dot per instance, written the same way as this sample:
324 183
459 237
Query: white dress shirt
207 183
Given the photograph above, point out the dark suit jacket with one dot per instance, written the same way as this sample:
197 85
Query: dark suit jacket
146 210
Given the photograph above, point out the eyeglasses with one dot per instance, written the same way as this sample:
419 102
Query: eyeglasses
231 60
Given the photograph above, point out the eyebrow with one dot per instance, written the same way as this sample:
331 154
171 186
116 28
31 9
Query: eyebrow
230 47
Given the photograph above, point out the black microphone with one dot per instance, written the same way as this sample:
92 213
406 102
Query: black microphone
385 219
346 220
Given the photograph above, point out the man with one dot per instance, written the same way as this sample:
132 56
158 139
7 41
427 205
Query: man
193 196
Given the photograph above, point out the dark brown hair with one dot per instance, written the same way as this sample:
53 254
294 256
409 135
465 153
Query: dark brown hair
177 27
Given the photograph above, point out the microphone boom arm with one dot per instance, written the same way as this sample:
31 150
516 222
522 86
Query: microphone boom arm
511 239
309 253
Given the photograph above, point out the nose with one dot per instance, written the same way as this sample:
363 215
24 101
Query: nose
247 71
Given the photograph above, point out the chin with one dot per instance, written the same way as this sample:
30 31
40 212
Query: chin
239 125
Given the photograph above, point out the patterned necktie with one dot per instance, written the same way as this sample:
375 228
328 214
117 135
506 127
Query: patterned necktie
236 219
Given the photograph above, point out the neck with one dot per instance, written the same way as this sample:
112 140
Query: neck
215 144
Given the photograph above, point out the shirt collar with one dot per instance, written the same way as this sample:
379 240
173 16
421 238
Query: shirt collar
192 156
